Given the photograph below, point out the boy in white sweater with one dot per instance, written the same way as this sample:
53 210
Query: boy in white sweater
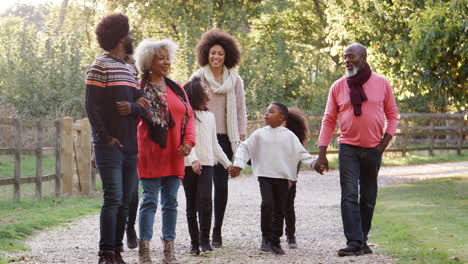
275 152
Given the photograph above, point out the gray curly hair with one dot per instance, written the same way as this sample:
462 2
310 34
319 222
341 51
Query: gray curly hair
148 48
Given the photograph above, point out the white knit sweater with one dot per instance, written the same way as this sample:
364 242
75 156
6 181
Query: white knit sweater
207 149
275 153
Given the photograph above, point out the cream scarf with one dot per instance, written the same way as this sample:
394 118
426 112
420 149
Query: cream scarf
227 87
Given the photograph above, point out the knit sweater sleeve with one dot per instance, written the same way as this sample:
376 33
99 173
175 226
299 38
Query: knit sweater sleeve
95 95
244 151
191 157
303 155
241 108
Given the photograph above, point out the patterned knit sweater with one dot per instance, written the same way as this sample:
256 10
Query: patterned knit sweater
108 81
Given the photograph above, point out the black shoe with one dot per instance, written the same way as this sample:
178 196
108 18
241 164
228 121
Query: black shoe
292 243
277 249
350 250
131 237
266 246
106 258
206 247
194 250
118 257
217 241
366 249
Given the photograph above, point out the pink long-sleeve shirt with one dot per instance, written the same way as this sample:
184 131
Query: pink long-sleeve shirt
379 114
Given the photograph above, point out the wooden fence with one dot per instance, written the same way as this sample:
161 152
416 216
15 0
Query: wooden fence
72 149
411 128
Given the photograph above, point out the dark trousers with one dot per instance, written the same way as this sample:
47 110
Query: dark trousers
359 168
290 217
198 196
119 176
133 208
274 194
220 181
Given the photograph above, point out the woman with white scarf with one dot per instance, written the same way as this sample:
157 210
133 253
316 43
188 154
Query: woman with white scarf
218 54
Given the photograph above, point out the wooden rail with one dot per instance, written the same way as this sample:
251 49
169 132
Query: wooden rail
72 150
67 135
407 131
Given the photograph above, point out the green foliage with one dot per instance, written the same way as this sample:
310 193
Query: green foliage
419 45
291 49
423 222
43 66
21 219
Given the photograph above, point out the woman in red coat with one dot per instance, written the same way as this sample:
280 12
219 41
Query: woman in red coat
165 137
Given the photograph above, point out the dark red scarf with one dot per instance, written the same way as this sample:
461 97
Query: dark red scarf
356 92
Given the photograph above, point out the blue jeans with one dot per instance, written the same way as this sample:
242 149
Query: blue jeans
359 168
169 187
119 176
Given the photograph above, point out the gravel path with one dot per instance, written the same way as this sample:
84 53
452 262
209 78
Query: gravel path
319 228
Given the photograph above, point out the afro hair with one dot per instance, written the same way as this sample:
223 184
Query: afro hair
111 30
217 37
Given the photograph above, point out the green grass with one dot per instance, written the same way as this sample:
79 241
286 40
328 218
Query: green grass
412 158
18 220
396 159
424 222
28 165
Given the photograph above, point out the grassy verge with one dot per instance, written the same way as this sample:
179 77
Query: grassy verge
28 165
412 158
424 222
18 220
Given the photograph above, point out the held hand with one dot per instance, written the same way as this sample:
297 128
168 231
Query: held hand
234 171
123 108
114 141
196 167
143 102
93 163
321 165
242 137
184 150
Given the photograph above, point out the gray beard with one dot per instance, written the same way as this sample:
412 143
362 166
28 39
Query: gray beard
351 73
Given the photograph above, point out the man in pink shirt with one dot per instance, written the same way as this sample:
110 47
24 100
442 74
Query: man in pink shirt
364 104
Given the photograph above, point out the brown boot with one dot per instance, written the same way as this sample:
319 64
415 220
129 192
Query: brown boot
168 253
144 256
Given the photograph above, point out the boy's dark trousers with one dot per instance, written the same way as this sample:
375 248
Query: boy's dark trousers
290 217
198 196
274 200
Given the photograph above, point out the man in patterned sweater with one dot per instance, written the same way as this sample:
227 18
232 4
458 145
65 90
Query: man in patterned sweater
113 104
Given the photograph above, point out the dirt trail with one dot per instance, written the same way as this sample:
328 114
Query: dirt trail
319 228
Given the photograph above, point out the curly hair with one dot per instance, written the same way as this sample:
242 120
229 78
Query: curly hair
217 37
148 48
111 30
297 123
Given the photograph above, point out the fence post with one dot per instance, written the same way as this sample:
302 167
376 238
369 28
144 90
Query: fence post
66 152
83 154
431 145
405 136
39 160
18 146
460 135
58 148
